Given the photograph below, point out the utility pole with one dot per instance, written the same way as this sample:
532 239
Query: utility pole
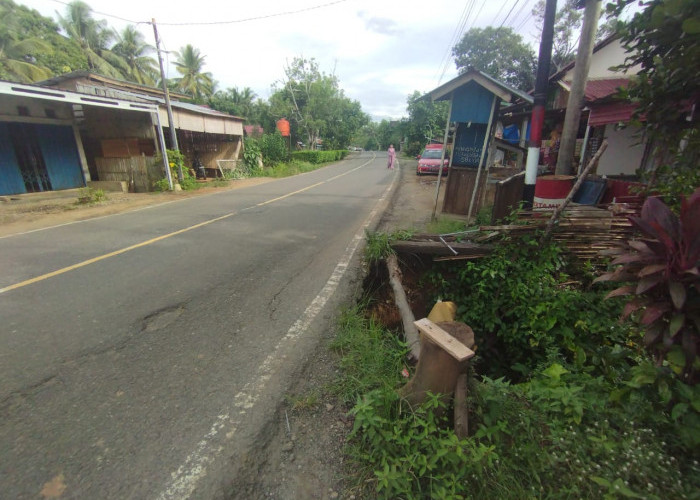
540 100
591 14
171 122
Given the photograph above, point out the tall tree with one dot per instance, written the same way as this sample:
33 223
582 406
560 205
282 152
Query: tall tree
94 38
134 50
194 81
426 121
17 51
234 101
499 52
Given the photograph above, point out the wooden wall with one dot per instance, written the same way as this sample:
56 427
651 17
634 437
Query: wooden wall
140 172
458 192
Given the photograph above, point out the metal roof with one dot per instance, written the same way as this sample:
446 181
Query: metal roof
502 90
50 94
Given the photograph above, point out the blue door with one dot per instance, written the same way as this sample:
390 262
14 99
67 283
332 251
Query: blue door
11 181
61 158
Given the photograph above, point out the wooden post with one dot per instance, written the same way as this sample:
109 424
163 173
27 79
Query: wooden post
407 317
574 190
461 415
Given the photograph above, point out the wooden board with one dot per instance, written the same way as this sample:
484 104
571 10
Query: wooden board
446 341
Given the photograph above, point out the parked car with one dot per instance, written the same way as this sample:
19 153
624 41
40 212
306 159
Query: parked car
429 160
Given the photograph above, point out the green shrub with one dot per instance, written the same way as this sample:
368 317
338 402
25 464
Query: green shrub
274 149
251 156
316 156
523 306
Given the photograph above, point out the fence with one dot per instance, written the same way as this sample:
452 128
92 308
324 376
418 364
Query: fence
509 193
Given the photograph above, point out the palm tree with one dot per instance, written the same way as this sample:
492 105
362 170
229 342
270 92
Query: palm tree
17 53
93 38
132 47
194 81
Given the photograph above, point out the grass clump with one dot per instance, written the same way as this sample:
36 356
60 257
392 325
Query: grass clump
370 357
90 196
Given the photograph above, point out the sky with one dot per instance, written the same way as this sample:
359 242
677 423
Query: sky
380 50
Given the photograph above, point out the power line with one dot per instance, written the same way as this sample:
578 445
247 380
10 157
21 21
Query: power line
257 18
106 15
516 17
210 23
499 12
509 13
459 29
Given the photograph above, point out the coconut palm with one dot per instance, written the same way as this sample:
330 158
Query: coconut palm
17 53
132 47
93 38
194 81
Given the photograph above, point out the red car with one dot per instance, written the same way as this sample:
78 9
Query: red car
429 160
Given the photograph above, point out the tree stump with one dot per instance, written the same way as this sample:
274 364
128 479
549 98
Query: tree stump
445 350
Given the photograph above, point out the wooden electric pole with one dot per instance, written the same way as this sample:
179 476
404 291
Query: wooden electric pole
168 107
565 158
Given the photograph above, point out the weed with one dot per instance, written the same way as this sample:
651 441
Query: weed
303 402
90 196
446 225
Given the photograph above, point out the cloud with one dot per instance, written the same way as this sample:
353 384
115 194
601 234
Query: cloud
382 25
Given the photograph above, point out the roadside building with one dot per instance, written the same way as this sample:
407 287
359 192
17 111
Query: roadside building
82 128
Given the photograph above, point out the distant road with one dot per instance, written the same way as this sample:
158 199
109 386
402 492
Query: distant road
142 353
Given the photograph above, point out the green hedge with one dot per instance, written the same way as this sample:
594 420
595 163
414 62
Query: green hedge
319 156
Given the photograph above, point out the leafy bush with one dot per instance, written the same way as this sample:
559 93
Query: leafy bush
274 149
251 155
175 159
557 436
664 267
523 306
316 157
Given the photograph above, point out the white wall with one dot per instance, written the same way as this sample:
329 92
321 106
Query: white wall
601 61
624 154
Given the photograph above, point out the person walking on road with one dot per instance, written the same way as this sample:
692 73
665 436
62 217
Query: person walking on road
392 157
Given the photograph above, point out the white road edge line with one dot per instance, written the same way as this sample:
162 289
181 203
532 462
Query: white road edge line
185 479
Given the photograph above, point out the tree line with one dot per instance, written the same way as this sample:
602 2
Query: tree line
34 48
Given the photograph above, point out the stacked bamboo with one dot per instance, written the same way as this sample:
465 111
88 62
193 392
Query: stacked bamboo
584 230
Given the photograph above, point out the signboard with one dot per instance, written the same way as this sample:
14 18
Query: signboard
469 141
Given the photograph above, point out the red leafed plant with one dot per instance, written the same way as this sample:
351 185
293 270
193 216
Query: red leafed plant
664 269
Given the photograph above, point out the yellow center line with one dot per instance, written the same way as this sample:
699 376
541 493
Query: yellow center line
111 254
162 237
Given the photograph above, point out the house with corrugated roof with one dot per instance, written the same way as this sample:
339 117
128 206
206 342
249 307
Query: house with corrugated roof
84 129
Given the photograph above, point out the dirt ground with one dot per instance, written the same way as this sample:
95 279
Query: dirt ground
300 456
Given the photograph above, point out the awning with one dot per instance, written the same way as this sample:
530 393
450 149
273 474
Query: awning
611 113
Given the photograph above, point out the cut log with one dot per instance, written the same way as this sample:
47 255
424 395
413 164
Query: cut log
407 318
461 413
445 350
439 248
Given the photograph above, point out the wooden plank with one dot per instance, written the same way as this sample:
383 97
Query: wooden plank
439 248
443 339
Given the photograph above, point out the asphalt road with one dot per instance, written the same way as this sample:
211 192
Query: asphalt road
142 353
